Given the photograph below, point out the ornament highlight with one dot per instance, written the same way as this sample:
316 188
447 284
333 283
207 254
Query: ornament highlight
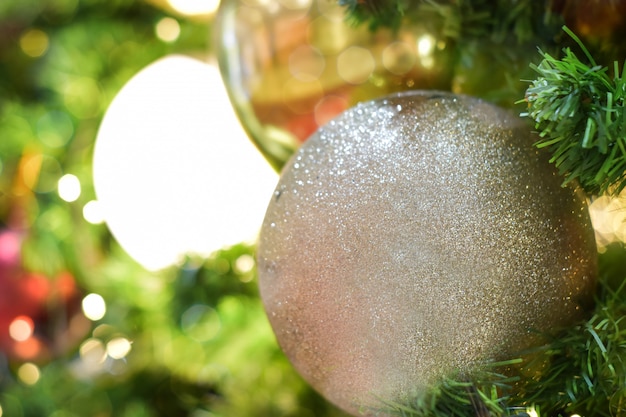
417 237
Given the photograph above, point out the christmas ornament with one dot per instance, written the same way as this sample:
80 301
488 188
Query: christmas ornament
417 237
291 65
40 316
174 172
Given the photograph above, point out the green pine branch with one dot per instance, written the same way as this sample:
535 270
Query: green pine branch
578 110
461 20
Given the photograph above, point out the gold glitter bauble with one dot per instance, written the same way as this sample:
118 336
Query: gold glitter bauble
292 65
417 236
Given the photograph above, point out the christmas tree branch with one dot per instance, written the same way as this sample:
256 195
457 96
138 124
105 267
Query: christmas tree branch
578 110
461 20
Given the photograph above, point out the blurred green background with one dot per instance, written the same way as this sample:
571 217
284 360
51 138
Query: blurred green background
84 329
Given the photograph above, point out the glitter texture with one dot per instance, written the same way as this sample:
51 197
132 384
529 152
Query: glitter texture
415 236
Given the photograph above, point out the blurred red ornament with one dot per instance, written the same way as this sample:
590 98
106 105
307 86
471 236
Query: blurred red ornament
40 317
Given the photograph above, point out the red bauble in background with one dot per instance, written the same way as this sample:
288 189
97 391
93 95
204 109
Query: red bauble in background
40 316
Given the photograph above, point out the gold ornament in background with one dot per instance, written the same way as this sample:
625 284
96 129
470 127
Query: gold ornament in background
414 237
292 65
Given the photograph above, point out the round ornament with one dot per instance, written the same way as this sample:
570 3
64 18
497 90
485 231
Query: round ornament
417 237
292 65
40 316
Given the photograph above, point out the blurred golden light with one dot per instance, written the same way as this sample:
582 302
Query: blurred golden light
355 74
425 48
92 352
118 347
92 212
244 264
195 7
21 328
69 187
174 171
94 307
398 58
40 172
34 43
28 373
608 216
167 29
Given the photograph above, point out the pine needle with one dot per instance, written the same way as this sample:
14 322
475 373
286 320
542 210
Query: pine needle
578 110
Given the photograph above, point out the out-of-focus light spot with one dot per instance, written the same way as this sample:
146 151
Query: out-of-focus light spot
167 29
21 328
608 216
355 64
575 415
174 171
244 264
118 348
425 48
92 352
94 307
69 187
201 322
10 244
398 58
34 43
1 411
28 373
426 45
92 212
195 7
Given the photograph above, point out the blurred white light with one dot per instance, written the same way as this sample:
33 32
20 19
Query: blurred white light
194 7
69 187
21 328
94 306
174 171
92 212
118 348
167 29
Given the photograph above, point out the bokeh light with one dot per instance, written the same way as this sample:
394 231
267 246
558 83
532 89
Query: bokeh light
167 29
608 216
118 347
94 306
69 187
195 7
92 212
29 373
21 328
174 172
34 42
